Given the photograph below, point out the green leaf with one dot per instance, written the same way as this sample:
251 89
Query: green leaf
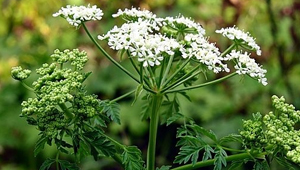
164 168
174 118
207 154
191 144
231 138
47 164
66 165
146 108
99 144
210 134
137 93
171 111
220 158
40 144
181 132
94 153
190 141
99 122
132 158
187 153
185 95
31 121
261 165
61 145
86 75
236 164
112 110
83 150
285 163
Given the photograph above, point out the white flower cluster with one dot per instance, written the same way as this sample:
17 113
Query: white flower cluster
133 15
234 33
247 65
141 37
75 15
185 22
136 38
207 53
136 13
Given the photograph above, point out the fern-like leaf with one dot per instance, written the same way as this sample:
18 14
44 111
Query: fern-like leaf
112 110
220 158
132 158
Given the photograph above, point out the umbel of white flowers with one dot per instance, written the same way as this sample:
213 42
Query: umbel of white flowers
150 39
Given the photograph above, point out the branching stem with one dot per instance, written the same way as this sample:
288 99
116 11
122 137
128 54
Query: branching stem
123 96
202 85
240 156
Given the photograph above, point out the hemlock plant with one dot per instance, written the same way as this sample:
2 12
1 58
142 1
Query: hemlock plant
168 55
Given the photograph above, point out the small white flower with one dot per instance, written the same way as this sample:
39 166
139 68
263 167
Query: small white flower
234 33
247 65
75 15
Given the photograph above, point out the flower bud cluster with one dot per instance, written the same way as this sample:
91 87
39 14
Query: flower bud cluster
75 15
252 132
86 106
19 73
280 128
275 130
60 93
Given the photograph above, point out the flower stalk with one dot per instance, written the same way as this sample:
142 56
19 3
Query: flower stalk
203 84
67 112
108 56
154 118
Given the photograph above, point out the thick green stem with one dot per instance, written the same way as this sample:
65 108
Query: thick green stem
108 56
154 118
202 85
230 158
56 160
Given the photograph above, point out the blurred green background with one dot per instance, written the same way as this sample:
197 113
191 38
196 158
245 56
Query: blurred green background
29 34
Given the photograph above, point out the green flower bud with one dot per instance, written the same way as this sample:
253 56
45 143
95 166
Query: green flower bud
18 73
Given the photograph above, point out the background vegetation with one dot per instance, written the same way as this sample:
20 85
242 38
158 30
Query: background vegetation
29 34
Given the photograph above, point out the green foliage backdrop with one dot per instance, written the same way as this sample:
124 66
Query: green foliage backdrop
29 34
